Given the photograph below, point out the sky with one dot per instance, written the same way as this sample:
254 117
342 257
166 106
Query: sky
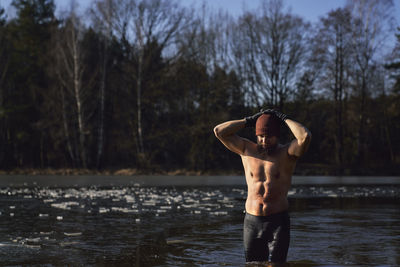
310 10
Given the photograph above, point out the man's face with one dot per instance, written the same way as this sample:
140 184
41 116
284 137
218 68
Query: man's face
267 144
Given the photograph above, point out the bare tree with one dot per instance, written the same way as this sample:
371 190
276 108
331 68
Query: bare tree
70 69
4 63
269 51
139 23
332 47
372 19
102 14
205 40
244 58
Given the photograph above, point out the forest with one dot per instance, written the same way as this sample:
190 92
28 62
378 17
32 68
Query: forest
140 84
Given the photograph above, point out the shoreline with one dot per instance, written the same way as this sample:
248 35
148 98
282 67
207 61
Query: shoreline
301 170
111 172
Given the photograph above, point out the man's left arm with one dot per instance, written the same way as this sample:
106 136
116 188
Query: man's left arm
303 136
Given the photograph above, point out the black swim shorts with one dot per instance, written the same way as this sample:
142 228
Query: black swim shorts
266 238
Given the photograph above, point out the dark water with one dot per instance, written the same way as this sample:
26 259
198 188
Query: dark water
191 221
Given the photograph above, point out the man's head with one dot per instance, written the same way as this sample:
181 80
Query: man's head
267 132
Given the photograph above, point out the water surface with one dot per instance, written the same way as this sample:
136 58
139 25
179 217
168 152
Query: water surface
191 221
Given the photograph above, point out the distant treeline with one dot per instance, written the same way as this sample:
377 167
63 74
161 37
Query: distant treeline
141 84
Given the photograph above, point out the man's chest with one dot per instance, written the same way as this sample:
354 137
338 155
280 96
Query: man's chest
262 170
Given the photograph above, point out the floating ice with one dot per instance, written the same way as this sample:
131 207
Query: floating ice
32 240
129 199
33 246
149 203
65 205
177 241
73 234
241 191
219 213
46 233
16 240
161 211
177 199
124 210
103 210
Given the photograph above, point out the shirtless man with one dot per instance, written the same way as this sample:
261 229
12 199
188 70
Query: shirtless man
268 168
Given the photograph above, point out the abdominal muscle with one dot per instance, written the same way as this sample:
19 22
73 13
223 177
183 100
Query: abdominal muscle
266 198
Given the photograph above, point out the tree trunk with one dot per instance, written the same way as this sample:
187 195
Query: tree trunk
361 127
100 142
339 103
78 100
141 152
387 131
66 129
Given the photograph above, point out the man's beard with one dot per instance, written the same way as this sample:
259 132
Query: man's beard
265 149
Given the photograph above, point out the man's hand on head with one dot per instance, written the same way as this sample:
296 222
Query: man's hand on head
251 120
277 113
268 111
280 115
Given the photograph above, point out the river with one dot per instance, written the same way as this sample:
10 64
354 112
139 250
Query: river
191 221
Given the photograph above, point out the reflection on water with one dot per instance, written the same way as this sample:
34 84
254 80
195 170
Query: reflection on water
194 226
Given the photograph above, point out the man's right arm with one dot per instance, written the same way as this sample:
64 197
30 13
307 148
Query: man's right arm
226 133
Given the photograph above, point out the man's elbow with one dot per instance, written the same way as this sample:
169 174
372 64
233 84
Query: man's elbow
217 132
306 138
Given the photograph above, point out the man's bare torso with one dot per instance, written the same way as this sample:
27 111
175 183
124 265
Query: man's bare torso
268 179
